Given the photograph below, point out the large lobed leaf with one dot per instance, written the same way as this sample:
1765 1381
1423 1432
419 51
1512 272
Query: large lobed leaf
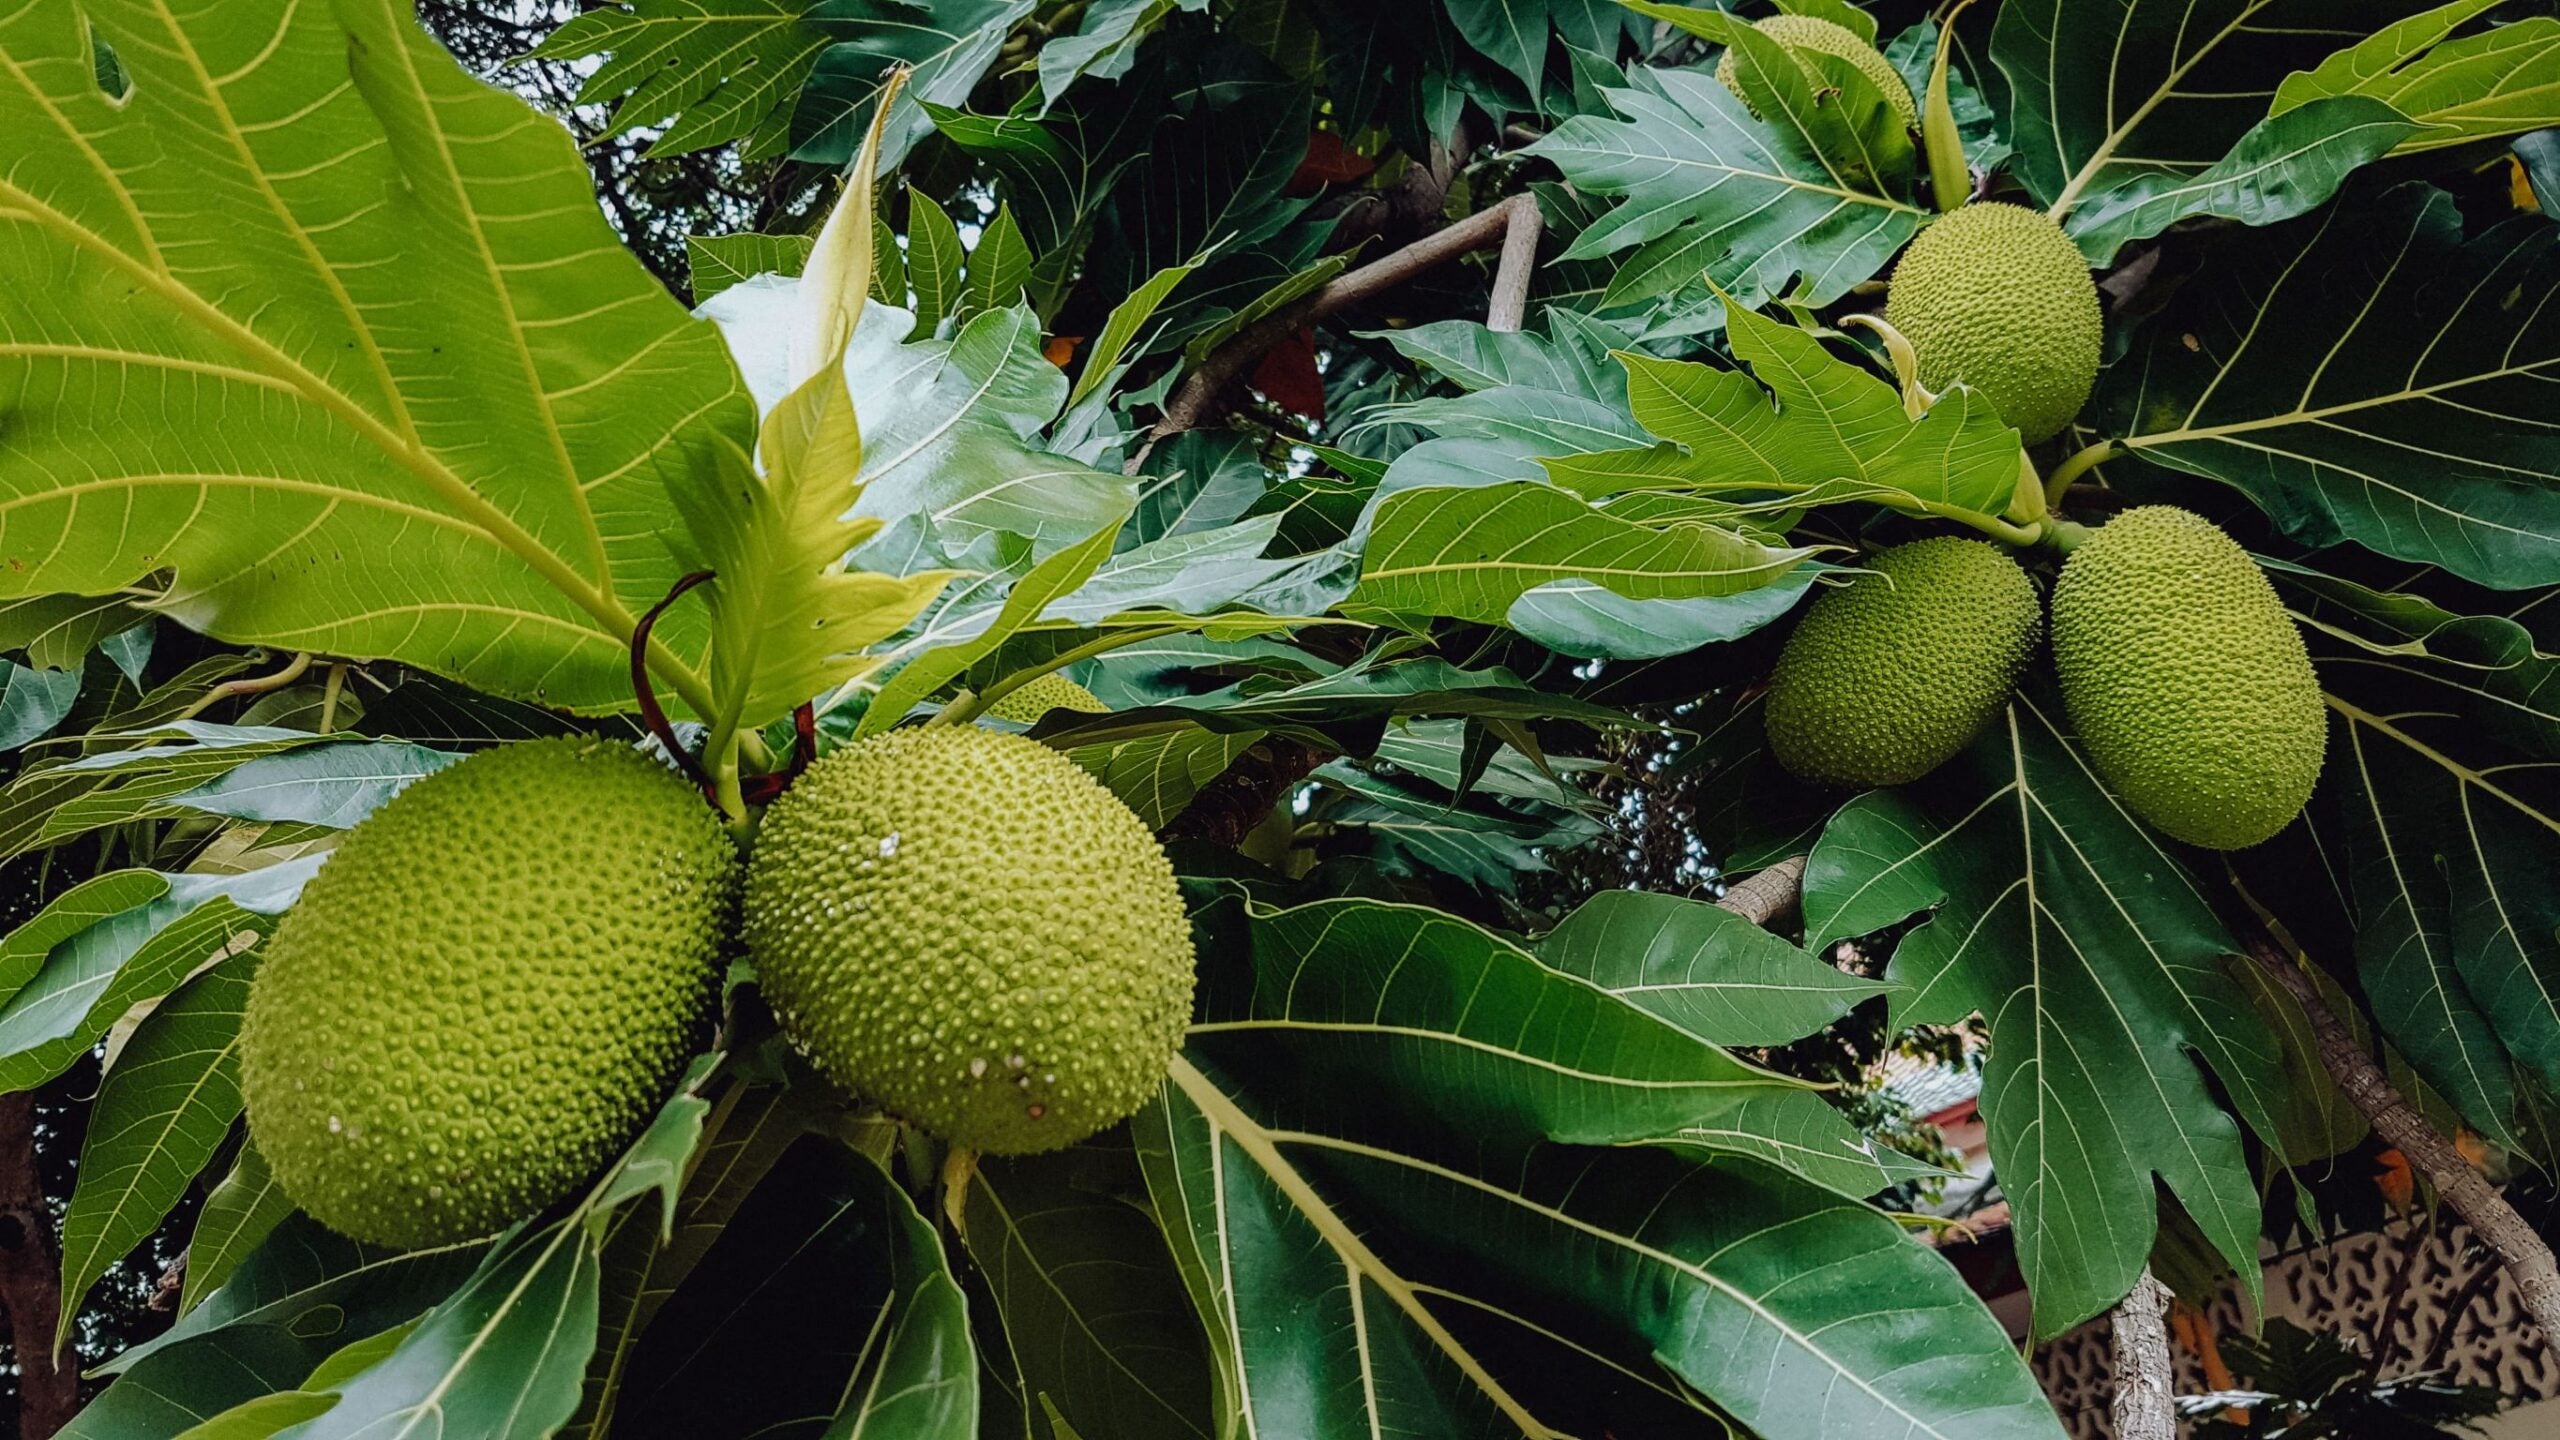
216 336
2415 421
2099 966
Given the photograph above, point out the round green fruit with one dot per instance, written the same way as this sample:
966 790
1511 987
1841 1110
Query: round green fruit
1804 32
487 990
1888 677
1998 297
2187 682
1042 694
963 927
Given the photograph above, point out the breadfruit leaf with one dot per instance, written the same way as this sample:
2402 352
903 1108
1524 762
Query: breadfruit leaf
709 71
2368 374
1744 203
218 370
2158 87
1408 1162
2504 80
1822 430
2443 802
2101 968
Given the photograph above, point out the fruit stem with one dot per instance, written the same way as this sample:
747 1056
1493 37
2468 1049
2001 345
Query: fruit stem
254 685
2030 533
2065 535
2081 463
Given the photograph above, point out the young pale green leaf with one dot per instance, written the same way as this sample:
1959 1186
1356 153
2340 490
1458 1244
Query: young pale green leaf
999 267
709 71
2413 422
113 942
1812 193
1471 554
1119 328
2164 86
2501 81
1090 1297
934 258
2285 166
2100 967
163 1110
1835 432
233 345
964 629
1353 1282
238 1213
826 1302
716 262
1702 967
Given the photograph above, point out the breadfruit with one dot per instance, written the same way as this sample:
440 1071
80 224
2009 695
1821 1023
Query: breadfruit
1887 678
486 991
1998 297
2188 684
1043 694
1804 32
961 926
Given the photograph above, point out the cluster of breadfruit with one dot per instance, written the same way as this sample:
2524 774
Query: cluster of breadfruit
2187 684
498 977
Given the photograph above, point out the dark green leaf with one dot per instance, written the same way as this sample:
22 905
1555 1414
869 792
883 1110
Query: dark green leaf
1702 967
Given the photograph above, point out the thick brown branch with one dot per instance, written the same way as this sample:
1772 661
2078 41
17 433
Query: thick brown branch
2528 1261
1196 399
1508 309
31 1277
1770 896
2145 1379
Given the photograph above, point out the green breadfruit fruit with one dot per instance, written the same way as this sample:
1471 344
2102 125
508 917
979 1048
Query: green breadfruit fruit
487 990
1804 32
1998 297
962 926
2186 680
1888 678
1039 696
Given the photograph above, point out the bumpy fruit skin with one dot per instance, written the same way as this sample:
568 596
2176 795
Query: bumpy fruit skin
2188 684
962 926
1998 297
1804 32
1043 694
486 991
1886 679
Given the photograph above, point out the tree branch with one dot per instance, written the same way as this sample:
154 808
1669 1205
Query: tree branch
31 1277
1228 808
1770 896
2528 1261
1509 307
2145 1378
1196 399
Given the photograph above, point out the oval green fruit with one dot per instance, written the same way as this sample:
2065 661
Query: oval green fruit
486 991
1040 695
1806 32
2187 682
963 927
1888 677
1998 297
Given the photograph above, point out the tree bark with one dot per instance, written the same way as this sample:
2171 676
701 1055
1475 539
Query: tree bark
1770 896
1227 808
31 1277
2145 1377
2508 1235
1196 399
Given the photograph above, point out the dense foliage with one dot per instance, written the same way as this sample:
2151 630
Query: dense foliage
1419 429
